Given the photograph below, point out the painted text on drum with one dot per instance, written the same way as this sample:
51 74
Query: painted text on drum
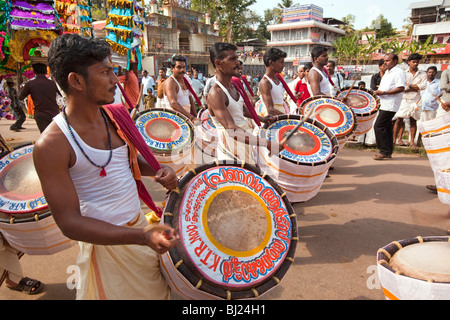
247 267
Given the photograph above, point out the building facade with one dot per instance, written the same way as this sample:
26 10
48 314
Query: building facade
302 29
175 29
433 18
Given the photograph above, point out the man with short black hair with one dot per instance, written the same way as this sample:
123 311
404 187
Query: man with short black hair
337 79
411 105
176 94
390 93
227 110
43 91
88 170
270 87
430 95
318 81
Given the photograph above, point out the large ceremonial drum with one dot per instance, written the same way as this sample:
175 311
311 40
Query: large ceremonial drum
436 141
206 136
415 269
303 165
238 233
170 136
365 104
25 220
334 114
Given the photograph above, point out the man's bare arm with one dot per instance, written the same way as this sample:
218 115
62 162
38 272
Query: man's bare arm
170 91
51 157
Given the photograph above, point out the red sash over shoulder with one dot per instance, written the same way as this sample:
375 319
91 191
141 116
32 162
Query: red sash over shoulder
129 133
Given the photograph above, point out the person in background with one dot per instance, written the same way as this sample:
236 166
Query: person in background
301 89
376 78
430 95
411 105
149 100
337 79
390 92
318 82
162 72
15 106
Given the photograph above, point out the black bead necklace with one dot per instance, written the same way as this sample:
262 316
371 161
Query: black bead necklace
103 171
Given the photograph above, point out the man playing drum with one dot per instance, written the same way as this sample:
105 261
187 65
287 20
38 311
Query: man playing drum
270 87
118 256
176 93
318 82
227 110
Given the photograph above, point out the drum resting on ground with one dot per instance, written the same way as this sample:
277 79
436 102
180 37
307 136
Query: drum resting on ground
238 233
25 220
415 269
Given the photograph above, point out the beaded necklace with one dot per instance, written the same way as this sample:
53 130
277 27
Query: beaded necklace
103 171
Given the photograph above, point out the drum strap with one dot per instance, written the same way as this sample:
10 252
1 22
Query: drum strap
240 88
127 130
244 79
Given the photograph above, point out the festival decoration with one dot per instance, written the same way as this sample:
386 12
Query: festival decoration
75 16
125 26
30 25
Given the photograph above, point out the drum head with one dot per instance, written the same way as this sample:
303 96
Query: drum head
20 188
207 123
363 102
236 230
334 114
312 144
420 258
165 131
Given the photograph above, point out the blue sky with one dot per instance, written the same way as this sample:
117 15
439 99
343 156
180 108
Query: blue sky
365 11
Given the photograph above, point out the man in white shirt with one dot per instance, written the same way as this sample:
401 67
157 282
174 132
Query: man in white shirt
147 82
390 93
416 81
430 94
337 79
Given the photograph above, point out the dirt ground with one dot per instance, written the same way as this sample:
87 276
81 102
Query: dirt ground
361 207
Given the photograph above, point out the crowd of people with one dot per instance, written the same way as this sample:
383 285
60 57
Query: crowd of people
81 141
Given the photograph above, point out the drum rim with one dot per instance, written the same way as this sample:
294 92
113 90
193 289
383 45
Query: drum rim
38 209
36 217
355 125
322 127
371 92
188 121
229 293
385 254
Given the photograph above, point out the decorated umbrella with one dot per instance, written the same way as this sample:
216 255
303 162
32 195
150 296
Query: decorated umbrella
125 26
75 16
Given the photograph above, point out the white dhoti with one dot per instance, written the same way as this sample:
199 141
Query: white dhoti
121 272
409 109
282 107
230 149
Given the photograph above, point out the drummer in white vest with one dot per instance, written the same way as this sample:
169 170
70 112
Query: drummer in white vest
176 94
318 81
228 112
270 87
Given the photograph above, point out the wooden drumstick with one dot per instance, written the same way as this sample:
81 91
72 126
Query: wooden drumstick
302 120
350 89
